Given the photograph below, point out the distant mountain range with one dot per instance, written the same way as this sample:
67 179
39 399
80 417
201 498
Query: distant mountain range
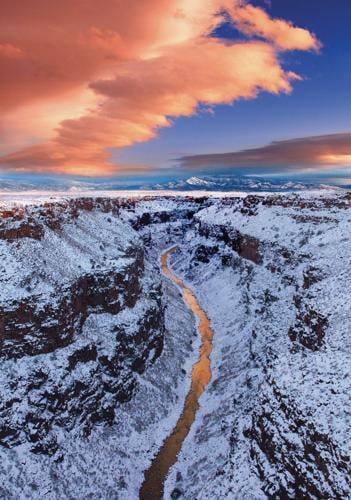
231 183
203 183
64 184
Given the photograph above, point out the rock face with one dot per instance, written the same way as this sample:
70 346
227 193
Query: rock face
96 349
41 323
83 389
246 246
77 264
159 217
310 327
304 462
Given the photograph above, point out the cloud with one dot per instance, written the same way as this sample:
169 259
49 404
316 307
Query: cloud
81 78
68 43
296 155
8 51
254 21
145 94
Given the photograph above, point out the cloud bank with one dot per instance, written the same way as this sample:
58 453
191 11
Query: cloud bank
303 154
80 78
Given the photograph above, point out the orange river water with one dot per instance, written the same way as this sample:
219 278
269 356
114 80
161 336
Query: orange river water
153 485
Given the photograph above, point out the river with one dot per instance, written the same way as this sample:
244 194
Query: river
153 485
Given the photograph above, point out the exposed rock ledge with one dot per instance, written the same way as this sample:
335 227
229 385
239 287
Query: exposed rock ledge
76 262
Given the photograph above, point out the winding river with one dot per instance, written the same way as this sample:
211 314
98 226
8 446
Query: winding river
153 485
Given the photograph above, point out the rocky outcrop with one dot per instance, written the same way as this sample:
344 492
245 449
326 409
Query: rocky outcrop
79 325
339 201
247 246
311 276
293 458
310 325
83 389
159 217
31 221
24 229
40 324
204 253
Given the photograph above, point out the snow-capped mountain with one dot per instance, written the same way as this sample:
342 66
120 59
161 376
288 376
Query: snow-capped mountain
235 183
195 183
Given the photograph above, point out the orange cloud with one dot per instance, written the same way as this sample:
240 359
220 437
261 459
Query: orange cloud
303 154
145 93
254 21
136 65
67 43
10 51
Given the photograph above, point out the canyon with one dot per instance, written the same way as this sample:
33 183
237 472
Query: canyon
97 345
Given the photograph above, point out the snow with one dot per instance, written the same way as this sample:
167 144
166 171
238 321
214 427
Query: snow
25 198
317 383
61 257
251 309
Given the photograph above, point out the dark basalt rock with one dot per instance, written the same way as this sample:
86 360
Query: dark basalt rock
40 325
310 277
176 493
309 328
248 247
25 229
82 399
87 353
160 217
204 253
304 463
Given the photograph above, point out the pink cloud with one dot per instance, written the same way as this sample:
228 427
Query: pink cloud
138 66
9 51
302 154
254 21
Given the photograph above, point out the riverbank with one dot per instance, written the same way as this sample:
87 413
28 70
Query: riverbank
153 486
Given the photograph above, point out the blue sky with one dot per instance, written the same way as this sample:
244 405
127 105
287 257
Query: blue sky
320 104
51 124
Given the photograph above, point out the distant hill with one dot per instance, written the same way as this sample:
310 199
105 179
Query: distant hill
231 183
195 183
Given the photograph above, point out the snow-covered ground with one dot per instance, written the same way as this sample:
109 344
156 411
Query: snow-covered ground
23 198
257 365
272 273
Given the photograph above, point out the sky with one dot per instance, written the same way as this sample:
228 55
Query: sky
171 87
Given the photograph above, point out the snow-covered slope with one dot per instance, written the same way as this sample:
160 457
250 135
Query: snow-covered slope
96 346
273 423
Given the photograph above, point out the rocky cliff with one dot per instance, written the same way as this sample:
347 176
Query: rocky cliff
96 347
273 421
62 265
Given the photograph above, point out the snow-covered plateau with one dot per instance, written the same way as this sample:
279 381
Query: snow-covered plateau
97 345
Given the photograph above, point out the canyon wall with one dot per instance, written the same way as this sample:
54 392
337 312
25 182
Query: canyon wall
96 347
61 265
